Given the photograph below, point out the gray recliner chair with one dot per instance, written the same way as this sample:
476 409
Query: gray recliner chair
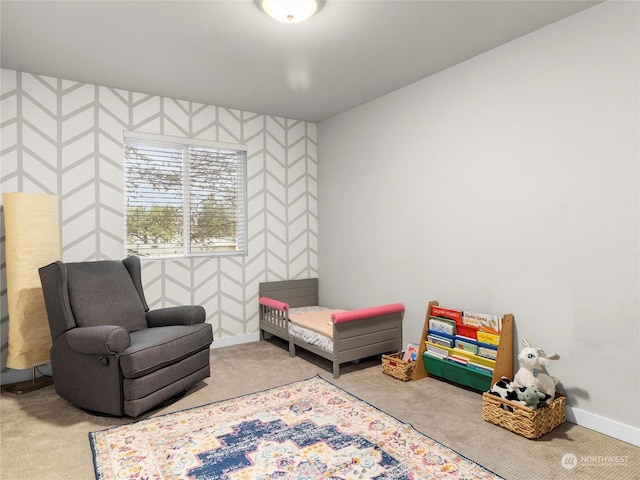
110 353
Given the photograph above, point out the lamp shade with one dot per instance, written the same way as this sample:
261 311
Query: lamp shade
32 240
290 11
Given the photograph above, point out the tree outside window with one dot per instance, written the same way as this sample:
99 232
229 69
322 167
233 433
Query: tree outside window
184 199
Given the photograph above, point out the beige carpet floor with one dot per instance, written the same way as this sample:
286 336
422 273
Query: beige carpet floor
45 437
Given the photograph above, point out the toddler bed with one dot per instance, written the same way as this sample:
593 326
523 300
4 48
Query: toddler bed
289 310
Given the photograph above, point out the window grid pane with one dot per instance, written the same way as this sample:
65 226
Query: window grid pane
177 192
213 210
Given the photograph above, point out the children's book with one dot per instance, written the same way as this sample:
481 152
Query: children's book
441 352
435 355
488 338
493 322
411 352
487 352
442 325
468 346
450 313
440 340
479 367
458 359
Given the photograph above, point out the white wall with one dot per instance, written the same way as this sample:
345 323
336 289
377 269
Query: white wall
508 183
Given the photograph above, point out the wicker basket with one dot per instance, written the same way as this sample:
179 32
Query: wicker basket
523 420
393 365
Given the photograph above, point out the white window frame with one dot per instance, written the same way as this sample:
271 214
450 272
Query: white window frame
142 138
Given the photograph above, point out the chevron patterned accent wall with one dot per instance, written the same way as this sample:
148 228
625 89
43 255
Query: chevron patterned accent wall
65 138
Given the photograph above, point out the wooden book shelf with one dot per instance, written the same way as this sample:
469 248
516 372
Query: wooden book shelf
504 359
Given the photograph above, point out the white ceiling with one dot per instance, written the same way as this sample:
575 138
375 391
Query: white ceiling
231 54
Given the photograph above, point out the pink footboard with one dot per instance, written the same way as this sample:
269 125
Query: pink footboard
364 313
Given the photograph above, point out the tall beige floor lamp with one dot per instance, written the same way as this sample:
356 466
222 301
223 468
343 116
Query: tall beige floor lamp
32 240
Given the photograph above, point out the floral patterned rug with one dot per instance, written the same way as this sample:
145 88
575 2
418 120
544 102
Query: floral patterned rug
303 431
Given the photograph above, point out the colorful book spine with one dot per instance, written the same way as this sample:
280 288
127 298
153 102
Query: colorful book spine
488 352
465 339
451 314
440 340
441 352
480 368
458 359
435 355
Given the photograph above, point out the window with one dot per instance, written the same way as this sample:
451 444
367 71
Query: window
183 196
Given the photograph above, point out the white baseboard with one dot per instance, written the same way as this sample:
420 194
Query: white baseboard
603 425
236 340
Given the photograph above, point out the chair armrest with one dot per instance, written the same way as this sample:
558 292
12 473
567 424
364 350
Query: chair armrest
181 315
98 340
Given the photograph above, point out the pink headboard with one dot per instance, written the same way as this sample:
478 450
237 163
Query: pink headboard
270 302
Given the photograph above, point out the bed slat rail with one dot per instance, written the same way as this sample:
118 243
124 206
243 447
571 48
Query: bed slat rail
274 320
274 316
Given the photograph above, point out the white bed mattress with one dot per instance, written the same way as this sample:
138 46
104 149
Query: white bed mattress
313 325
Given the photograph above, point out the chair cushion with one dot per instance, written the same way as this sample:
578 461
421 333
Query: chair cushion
103 293
155 348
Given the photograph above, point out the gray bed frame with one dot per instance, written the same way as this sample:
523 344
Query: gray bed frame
352 340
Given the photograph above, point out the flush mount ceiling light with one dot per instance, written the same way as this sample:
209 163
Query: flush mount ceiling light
290 11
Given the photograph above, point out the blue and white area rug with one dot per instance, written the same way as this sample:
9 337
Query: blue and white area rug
306 430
